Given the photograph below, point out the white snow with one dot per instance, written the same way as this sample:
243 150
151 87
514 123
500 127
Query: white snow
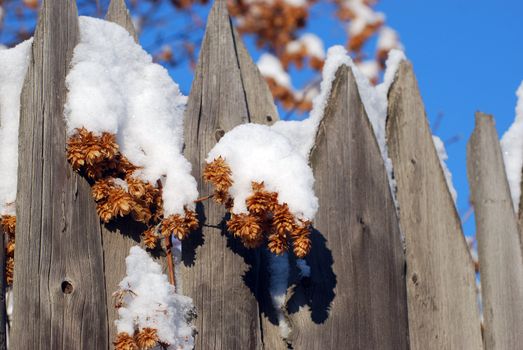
388 39
363 14
258 153
313 44
369 68
442 155
115 87
296 3
271 67
512 146
151 301
13 66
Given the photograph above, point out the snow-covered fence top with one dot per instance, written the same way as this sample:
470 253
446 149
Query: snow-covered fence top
386 264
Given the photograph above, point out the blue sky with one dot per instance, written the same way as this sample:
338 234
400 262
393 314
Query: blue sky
467 55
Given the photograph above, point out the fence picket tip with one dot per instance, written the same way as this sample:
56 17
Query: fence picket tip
119 14
499 249
443 311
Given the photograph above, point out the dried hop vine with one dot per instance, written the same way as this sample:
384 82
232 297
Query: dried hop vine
8 223
118 193
266 221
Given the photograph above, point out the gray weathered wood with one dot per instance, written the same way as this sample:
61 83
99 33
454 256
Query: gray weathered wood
443 310
119 14
217 272
500 260
520 214
59 291
356 295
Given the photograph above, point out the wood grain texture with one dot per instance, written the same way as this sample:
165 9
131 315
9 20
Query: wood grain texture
500 260
219 274
59 291
119 14
356 297
520 214
443 310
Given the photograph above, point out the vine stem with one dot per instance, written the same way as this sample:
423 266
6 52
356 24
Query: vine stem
170 260
201 199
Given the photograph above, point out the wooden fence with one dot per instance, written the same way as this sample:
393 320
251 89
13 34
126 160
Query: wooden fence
379 279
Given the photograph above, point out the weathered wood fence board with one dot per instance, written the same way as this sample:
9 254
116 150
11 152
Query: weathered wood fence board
500 261
443 310
59 291
357 296
226 91
520 214
119 14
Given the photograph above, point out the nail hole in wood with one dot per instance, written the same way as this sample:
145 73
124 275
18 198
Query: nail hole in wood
67 287
219 134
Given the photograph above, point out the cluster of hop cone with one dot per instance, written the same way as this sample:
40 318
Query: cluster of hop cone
8 223
266 221
143 339
118 193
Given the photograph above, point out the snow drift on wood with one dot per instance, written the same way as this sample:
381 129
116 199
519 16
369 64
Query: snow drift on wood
13 66
303 133
115 87
257 153
442 155
148 301
512 146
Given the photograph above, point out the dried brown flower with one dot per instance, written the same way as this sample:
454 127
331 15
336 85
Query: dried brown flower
146 338
247 228
301 241
10 248
86 151
174 224
150 238
125 342
9 270
219 174
277 243
191 220
8 223
283 220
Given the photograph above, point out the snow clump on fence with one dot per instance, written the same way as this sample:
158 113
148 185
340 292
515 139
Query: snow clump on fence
14 63
149 309
512 146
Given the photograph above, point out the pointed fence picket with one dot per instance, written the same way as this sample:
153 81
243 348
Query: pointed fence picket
59 293
357 282
500 260
442 306
364 292
217 272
